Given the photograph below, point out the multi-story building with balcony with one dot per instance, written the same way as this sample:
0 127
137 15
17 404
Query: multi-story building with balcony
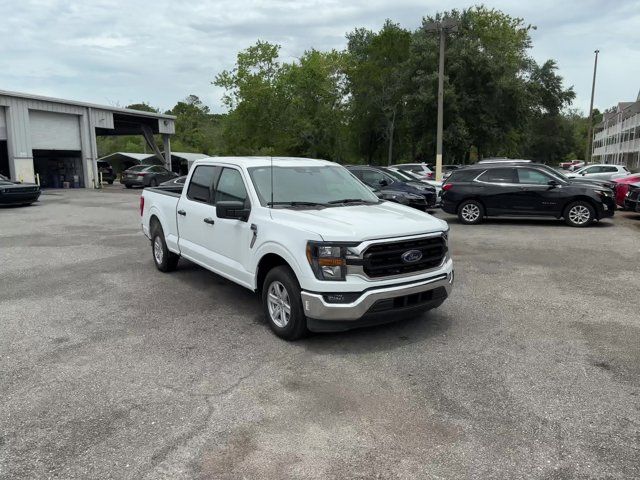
616 139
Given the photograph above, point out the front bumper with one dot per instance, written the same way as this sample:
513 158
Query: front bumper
377 302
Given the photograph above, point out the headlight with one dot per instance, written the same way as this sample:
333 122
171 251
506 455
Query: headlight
328 260
605 193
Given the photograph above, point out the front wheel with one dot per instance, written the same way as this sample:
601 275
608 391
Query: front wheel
282 304
470 212
579 214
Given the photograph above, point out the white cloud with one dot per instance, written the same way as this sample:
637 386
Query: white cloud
120 51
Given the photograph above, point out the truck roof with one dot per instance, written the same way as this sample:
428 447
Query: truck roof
264 161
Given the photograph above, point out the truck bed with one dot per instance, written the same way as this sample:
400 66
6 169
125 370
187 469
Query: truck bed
168 190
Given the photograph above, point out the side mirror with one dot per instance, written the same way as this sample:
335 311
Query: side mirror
553 183
383 183
232 209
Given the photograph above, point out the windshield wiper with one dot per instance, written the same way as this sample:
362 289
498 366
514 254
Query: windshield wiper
350 200
297 204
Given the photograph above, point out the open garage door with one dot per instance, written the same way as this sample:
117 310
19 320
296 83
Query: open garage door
57 167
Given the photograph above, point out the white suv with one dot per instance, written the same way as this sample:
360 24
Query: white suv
600 171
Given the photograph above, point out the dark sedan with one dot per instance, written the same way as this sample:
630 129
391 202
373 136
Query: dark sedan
417 194
12 193
632 198
523 189
146 176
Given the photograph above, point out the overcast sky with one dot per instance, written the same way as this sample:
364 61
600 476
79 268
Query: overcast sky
118 52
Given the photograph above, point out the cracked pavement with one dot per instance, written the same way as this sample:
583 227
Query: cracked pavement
111 369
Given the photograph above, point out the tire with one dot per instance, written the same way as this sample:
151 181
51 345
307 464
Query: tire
165 260
110 182
470 212
153 182
126 185
579 214
281 279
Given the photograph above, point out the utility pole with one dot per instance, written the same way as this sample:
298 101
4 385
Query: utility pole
440 109
442 27
587 153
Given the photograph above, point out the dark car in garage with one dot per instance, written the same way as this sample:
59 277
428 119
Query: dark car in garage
146 176
523 189
106 172
12 193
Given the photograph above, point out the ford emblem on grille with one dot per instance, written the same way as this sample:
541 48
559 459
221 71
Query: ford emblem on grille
411 256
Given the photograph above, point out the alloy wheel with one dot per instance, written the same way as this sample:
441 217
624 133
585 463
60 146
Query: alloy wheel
279 304
470 212
158 252
579 214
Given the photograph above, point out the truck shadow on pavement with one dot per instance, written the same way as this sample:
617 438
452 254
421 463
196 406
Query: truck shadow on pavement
397 334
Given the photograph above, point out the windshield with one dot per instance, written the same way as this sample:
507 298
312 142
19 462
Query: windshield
137 168
400 176
308 185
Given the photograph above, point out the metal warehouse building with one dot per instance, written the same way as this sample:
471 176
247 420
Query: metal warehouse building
54 140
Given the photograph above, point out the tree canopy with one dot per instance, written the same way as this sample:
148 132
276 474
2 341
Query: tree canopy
376 100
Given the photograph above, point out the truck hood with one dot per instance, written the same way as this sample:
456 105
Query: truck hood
357 223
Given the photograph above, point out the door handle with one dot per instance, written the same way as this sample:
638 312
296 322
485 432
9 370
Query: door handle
182 212
208 220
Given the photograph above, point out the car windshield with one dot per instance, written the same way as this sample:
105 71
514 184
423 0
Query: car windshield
308 186
138 168
399 176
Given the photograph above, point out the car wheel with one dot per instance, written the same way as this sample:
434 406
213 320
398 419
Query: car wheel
282 304
579 214
470 212
110 182
153 182
165 260
126 185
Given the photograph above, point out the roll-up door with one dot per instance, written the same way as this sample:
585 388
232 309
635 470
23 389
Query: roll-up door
54 131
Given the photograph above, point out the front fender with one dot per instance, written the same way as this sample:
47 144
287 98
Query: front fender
302 271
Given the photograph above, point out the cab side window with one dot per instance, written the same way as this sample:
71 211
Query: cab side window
201 184
231 186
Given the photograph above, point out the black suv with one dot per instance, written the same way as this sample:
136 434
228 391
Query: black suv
525 189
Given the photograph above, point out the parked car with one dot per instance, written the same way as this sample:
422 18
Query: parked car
146 176
322 250
572 164
105 168
422 170
601 171
503 160
410 177
522 189
632 198
14 193
421 196
622 187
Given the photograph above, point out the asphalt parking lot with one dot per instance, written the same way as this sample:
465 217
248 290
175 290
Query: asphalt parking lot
111 369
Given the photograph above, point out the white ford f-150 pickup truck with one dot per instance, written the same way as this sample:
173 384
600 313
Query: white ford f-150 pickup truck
324 252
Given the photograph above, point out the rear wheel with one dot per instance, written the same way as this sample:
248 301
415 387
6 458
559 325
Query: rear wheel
470 212
165 260
579 214
282 304
126 185
153 182
110 182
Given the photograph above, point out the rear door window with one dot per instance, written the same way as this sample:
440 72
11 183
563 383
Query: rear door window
201 184
499 175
